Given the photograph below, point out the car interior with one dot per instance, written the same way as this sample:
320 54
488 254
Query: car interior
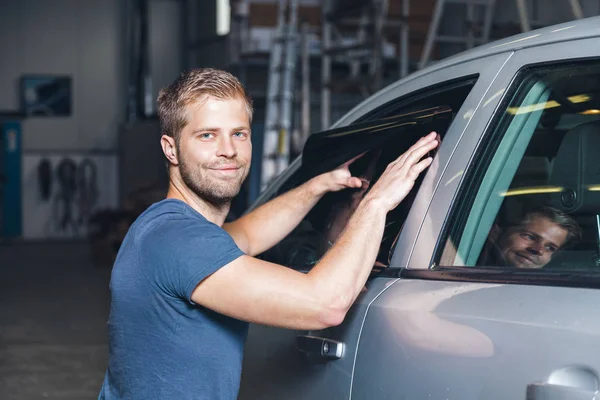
560 166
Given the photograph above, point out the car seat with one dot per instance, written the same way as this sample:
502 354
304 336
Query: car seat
576 169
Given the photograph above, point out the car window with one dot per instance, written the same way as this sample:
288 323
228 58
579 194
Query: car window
381 137
531 197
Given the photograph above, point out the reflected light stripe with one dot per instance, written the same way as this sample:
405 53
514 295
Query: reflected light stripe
516 41
394 126
563 29
454 178
590 112
532 108
532 190
498 93
580 98
368 128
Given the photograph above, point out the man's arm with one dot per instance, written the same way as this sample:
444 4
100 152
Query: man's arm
266 226
257 291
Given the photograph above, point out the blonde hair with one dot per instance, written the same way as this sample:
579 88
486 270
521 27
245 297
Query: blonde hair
191 86
560 218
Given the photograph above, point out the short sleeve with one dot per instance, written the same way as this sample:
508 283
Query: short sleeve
177 254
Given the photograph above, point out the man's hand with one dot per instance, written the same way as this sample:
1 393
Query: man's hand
400 175
338 179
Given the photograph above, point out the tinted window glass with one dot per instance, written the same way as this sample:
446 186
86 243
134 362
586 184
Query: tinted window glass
382 138
534 199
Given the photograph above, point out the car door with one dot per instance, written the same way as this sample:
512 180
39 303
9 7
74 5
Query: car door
290 364
465 320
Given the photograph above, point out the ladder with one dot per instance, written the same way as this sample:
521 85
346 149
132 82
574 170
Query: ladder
471 39
474 36
366 21
278 119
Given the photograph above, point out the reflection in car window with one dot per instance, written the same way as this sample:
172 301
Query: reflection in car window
380 140
535 201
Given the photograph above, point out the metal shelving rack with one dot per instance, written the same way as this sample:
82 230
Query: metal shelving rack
365 23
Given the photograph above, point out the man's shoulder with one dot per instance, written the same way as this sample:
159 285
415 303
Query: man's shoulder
170 212
172 219
171 207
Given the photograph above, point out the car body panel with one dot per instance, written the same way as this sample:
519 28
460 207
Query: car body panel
454 340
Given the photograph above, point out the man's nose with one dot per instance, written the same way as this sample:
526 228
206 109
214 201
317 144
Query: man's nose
226 148
535 248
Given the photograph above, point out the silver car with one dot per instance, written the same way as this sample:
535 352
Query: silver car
488 276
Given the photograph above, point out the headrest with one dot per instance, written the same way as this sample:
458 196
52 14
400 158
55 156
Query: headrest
577 170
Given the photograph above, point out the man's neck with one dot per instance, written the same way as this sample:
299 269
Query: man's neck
214 214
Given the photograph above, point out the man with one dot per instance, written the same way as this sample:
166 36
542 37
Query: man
532 242
185 285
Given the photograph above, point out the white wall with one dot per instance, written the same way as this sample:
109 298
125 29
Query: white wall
82 39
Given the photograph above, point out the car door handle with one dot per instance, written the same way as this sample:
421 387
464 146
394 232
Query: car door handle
574 382
320 347
546 391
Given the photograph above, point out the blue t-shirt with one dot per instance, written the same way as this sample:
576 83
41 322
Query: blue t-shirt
162 345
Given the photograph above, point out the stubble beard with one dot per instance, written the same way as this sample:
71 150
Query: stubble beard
217 192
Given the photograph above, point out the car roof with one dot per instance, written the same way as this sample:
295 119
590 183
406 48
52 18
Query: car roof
577 29
572 30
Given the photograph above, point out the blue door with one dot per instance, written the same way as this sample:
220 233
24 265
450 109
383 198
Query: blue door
10 178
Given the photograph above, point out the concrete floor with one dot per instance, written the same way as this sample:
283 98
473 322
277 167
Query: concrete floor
53 310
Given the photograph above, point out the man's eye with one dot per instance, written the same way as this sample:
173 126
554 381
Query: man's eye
206 135
527 236
551 249
240 135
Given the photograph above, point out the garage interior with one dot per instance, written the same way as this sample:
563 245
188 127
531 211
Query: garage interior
79 153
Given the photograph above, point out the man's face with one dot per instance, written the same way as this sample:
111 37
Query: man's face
532 244
214 151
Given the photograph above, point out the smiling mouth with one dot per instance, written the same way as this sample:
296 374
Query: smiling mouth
526 259
227 168
226 172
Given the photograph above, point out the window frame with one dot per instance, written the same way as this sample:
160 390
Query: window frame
400 109
487 150
443 204
485 154
574 51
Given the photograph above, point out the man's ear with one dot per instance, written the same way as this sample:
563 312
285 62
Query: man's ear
169 149
495 233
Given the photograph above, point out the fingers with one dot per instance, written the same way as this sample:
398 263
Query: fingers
355 182
412 158
425 140
415 170
431 138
